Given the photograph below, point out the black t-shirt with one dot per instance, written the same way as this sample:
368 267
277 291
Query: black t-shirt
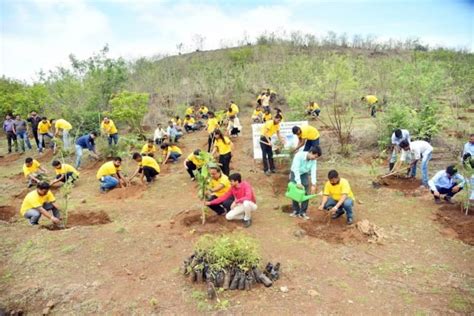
34 121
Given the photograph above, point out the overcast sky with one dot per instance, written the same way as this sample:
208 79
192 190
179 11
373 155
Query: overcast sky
40 34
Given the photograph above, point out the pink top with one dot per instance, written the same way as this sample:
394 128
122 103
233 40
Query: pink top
243 192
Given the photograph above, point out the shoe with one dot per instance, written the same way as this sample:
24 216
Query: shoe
193 179
247 223
337 215
350 221
294 214
437 201
273 171
303 216
448 200
267 173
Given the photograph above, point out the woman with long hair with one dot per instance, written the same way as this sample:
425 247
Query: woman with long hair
223 146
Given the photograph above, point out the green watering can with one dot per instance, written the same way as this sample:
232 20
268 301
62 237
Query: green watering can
297 194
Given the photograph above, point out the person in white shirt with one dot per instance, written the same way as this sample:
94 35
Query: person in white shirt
419 149
234 127
468 150
159 134
398 136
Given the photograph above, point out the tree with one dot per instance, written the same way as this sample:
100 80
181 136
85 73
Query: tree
130 108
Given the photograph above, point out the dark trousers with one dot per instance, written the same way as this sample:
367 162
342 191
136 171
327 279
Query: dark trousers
68 177
373 110
234 131
310 143
11 138
267 155
149 173
224 161
222 208
190 167
35 135
300 208
447 191
210 142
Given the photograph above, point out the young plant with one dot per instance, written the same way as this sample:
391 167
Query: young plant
203 179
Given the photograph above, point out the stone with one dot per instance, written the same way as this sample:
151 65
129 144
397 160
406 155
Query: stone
46 311
299 233
83 201
50 304
284 289
313 293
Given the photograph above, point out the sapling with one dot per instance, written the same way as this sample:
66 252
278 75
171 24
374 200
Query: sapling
203 177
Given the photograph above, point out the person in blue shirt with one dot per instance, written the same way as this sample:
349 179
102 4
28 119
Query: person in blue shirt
447 182
302 168
85 142
468 150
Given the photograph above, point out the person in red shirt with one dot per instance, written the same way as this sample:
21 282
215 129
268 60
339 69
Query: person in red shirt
244 200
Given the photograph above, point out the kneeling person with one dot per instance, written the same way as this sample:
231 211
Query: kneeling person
110 176
147 167
40 202
64 172
448 182
170 153
219 186
33 171
338 197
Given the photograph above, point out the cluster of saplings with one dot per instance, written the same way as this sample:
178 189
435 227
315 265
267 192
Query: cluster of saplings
228 262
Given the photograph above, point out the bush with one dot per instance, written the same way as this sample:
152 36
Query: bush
130 108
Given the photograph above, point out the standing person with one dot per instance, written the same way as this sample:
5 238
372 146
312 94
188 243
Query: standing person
338 197
148 168
63 126
371 101
269 129
302 168
265 100
40 202
233 127
218 186
21 132
64 173
244 201
419 149
313 109
33 171
110 175
159 134
9 129
43 130
211 125
149 149
308 136
108 127
85 142
448 182
257 115
223 146
193 162
173 134
279 112
170 153
468 150
398 136
34 119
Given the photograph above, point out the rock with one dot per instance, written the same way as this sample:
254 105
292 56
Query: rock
313 293
284 289
142 276
158 225
276 208
50 304
46 311
83 201
172 222
299 233
350 302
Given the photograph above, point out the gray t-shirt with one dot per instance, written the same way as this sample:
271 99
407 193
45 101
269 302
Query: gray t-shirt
20 126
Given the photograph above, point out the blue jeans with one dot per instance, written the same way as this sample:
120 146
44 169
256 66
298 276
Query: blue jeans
24 140
297 208
113 138
345 207
424 169
41 140
66 139
33 215
108 183
310 143
174 156
447 191
78 155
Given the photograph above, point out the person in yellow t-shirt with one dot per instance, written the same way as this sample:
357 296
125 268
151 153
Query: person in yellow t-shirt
64 173
189 124
223 146
267 115
371 101
65 127
307 136
278 111
108 127
40 202
218 186
313 109
148 168
257 115
203 110
170 153
149 149
33 171
211 126
110 175
193 162
233 109
189 111
43 131
269 129
338 197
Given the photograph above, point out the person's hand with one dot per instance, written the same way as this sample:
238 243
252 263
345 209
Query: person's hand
313 189
207 203
321 207
55 220
209 192
436 194
456 188
334 209
299 186
233 205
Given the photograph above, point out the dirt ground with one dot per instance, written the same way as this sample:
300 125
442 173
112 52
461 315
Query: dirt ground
122 250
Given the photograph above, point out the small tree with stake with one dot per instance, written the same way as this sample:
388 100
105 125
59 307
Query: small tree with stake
203 178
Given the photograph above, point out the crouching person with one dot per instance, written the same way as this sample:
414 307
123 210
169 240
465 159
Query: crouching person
193 163
40 202
219 186
338 197
448 182
147 167
244 200
33 171
64 173
110 176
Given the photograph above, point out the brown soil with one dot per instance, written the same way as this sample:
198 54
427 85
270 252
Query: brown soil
10 158
191 221
288 208
470 110
22 193
134 191
278 183
17 177
7 213
456 224
457 134
46 157
405 185
88 219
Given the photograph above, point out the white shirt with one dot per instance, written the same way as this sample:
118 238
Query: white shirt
159 133
405 136
418 148
235 123
266 100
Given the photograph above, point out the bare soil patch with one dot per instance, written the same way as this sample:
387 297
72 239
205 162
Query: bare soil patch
88 219
288 208
134 191
408 186
10 158
456 224
191 221
7 213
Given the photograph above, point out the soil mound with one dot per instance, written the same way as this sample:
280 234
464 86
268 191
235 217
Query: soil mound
88 219
408 186
9 158
456 224
134 191
191 220
7 213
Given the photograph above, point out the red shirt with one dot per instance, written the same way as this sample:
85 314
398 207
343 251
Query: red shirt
243 192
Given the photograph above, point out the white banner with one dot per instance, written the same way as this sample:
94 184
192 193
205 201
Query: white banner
285 132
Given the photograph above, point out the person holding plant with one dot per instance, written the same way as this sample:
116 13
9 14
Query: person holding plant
313 109
244 201
308 136
419 149
147 167
448 182
269 129
108 127
218 186
33 171
64 173
302 168
149 149
211 126
43 130
40 202
223 146
371 101
21 132
170 153
193 162
338 197
398 136
110 175
85 142
63 126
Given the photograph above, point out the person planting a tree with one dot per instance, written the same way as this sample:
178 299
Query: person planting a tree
338 197
218 186
192 163
40 202
308 136
147 168
33 171
398 136
448 182
110 175
419 149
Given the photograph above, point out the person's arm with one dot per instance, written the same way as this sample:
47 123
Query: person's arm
282 139
323 202
247 194
432 183
43 169
214 149
300 144
14 128
220 199
167 156
134 174
121 178
460 183
58 179
313 178
340 202
32 177
5 126
48 215
295 168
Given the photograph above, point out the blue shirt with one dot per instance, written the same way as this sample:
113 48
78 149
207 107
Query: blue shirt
441 180
86 141
302 165
405 136
468 149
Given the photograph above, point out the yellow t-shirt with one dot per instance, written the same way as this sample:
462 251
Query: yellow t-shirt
267 117
34 200
309 132
189 111
371 99
149 162
65 168
203 110
43 128
223 147
195 160
336 191
178 122
109 128
173 149
62 124
107 169
148 150
234 110
191 121
313 106
212 124
222 180
269 128
34 167
257 113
